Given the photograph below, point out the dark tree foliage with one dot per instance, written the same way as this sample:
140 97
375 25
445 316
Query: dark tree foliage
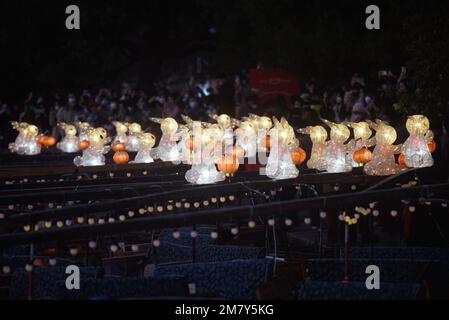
321 39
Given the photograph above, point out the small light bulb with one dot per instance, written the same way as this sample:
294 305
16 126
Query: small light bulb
213 200
170 207
48 224
113 248
234 231
28 267
122 217
186 205
205 203
307 220
92 244
73 251
353 187
231 198
412 208
59 224
91 221
100 221
375 213
156 243
214 235
323 214
178 204
288 222
193 234
222 199
52 262
6 270
131 214
196 204
394 213
176 235
111 219
80 220
160 208
271 222
135 248
252 224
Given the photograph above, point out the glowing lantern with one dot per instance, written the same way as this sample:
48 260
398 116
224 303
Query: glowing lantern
383 162
97 147
84 144
146 142
238 152
298 156
336 150
70 143
121 157
228 165
118 147
318 135
266 142
362 156
190 144
416 148
432 146
168 149
401 159
47 141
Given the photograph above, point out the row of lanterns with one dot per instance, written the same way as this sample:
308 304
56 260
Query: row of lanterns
226 142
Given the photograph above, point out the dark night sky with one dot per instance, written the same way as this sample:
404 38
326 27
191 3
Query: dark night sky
322 38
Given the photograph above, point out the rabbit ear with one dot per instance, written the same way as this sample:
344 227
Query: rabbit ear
330 124
372 125
62 125
156 120
284 121
186 119
276 121
214 116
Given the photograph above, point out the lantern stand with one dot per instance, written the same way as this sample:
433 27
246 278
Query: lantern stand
193 245
346 277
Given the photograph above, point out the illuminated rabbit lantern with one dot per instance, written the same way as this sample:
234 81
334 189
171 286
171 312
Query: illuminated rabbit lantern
146 142
94 154
168 149
70 142
227 124
280 164
318 135
83 130
246 138
188 134
262 125
415 148
134 130
362 134
203 170
26 142
336 149
383 162
121 129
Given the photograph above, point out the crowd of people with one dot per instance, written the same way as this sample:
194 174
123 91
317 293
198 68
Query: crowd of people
200 97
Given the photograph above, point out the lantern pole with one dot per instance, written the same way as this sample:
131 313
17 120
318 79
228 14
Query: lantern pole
346 277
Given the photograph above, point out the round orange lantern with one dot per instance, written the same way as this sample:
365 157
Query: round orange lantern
362 156
228 165
189 144
118 147
121 157
432 146
298 156
84 144
238 152
401 159
266 142
47 141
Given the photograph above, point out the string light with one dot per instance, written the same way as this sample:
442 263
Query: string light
193 234
375 213
271 222
60 224
176 235
214 235
156 243
307 220
323 214
393 213
412 208
252 224
235 231
52 262
91 221
92 244
288 222
131 213
6 269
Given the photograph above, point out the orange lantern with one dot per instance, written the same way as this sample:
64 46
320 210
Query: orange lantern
84 144
47 141
118 147
362 156
121 157
266 142
432 146
189 144
298 156
228 165
238 152
401 159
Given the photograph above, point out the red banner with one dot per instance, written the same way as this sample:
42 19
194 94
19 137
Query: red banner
271 83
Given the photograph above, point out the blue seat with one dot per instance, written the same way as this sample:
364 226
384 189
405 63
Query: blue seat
397 270
438 256
43 281
172 251
111 288
233 279
319 290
